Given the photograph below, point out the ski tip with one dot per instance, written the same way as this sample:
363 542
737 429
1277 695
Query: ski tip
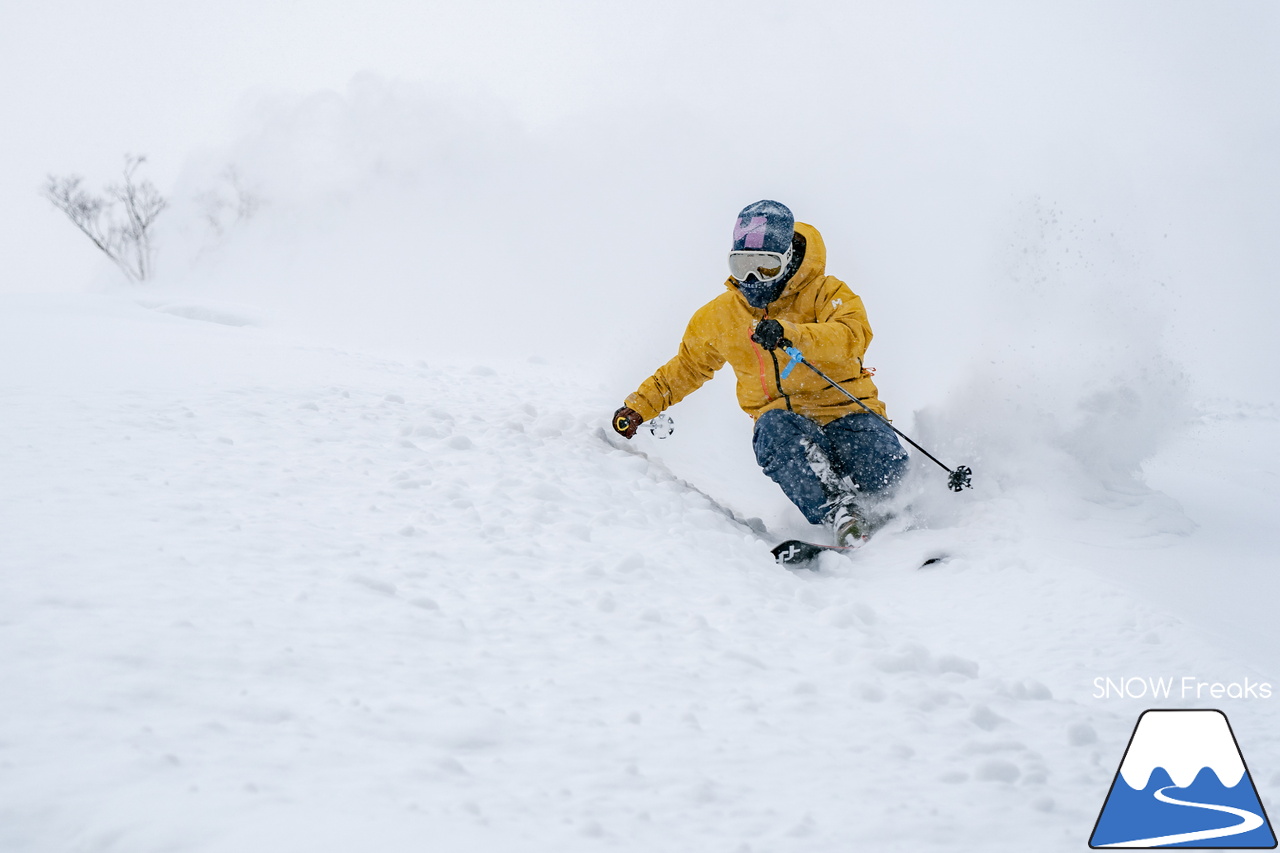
794 552
935 560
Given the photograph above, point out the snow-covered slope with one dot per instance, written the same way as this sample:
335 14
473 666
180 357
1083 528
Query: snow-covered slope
259 594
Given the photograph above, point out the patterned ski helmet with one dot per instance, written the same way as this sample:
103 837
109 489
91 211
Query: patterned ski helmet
765 226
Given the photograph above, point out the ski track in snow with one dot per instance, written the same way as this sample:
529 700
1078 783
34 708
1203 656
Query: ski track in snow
357 603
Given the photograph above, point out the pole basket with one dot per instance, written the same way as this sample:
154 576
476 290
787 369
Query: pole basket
660 426
960 478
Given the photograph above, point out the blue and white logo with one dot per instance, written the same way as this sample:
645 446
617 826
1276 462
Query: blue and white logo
1183 783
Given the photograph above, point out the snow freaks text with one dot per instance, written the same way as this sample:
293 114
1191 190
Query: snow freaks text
1185 687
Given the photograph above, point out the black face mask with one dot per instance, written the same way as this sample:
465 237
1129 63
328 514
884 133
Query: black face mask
760 293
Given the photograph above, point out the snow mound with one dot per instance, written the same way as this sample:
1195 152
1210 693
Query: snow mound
260 592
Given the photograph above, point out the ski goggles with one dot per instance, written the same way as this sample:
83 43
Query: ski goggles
765 265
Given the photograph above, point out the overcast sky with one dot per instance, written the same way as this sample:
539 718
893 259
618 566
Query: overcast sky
1154 85
912 126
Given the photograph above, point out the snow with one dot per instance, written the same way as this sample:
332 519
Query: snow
263 593
320 540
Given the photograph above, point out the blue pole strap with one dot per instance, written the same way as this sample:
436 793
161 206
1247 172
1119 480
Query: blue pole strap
796 358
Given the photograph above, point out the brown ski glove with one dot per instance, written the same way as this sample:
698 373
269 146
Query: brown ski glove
626 421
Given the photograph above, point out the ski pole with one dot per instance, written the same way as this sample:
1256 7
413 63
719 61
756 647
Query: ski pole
960 477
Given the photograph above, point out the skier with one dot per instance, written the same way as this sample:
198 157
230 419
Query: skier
836 462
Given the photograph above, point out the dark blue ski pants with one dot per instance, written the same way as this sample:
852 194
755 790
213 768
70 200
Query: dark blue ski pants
861 448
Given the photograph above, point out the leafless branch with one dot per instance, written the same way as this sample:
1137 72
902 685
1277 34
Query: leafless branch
225 206
126 239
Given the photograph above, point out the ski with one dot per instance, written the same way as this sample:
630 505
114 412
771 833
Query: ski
796 552
793 553
800 554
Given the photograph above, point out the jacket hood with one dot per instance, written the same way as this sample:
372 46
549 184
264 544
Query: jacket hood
814 264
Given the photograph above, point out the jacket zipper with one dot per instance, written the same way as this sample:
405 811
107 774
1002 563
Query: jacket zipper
777 371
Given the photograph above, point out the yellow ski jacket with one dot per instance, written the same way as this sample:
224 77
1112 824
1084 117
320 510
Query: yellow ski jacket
819 314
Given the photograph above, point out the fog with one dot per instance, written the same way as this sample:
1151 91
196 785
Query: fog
497 180
415 256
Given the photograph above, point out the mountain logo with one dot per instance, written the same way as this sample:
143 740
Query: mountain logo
1183 783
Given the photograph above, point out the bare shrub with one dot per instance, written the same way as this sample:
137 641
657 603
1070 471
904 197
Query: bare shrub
230 203
119 221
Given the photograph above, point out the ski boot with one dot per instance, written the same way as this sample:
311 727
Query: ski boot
849 527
